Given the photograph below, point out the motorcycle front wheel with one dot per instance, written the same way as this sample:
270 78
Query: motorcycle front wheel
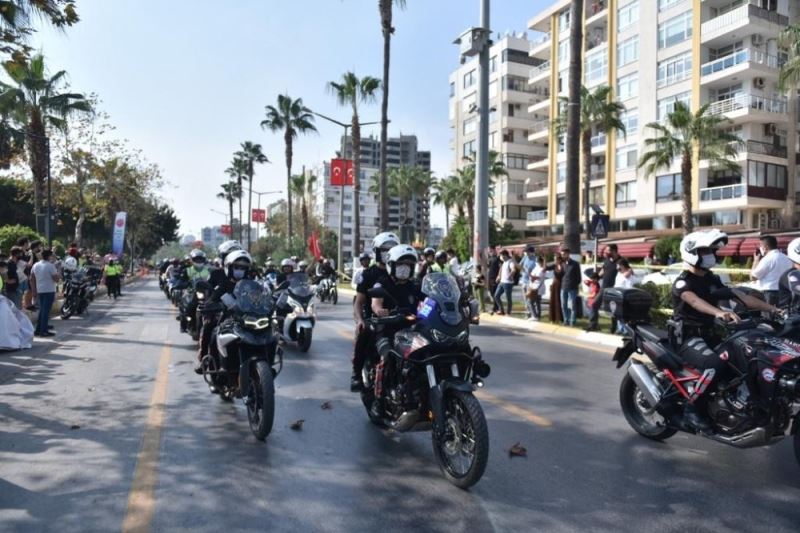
66 310
639 414
261 403
304 339
334 296
463 450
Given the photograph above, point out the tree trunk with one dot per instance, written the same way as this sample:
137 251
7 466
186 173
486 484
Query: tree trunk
447 219
385 8
586 141
250 173
287 137
37 152
471 224
686 184
239 178
790 211
572 233
81 214
356 129
230 208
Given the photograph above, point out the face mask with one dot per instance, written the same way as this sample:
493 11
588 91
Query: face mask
384 257
238 273
708 261
402 272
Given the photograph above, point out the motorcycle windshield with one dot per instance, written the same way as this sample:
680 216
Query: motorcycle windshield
299 285
443 289
252 298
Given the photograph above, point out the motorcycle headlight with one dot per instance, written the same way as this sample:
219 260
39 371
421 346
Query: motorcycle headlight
200 295
257 323
463 336
440 336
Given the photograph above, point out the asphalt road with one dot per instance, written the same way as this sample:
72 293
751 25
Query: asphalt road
93 437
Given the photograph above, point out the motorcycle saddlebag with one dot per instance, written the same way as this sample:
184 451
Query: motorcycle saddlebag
627 304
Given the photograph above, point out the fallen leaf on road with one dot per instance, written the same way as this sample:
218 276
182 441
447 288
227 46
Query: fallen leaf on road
518 450
75 427
326 406
90 389
297 425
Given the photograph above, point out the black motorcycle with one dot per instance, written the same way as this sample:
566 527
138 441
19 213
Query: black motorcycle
422 375
177 286
76 294
294 310
244 356
191 307
754 405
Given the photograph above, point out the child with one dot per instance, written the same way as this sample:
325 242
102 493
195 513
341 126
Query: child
593 288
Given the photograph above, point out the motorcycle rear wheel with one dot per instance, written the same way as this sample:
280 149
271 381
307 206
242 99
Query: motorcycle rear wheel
261 404
639 415
466 437
368 393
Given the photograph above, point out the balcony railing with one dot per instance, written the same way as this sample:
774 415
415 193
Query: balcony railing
540 39
737 58
726 192
539 126
762 148
740 13
598 140
535 186
534 216
541 69
742 101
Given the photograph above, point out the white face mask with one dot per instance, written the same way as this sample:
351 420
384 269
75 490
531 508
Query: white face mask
402 272
708 261
384 257
238 273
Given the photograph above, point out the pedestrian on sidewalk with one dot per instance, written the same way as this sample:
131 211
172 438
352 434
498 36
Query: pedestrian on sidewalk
569 287
44 277
608 278
624 280
527 264
34 254
492 272
12 289
536 289
769 264
556 317
479 287
593 292
505 282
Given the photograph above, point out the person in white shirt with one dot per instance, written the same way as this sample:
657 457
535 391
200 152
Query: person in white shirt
505 281
44 276
455 267
535 288
769 264
625 278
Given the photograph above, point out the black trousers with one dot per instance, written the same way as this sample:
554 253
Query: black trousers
363 343
209 323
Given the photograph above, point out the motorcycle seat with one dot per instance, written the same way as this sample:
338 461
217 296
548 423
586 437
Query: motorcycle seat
655 343
652 333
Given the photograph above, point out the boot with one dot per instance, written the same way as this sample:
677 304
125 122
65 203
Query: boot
356 382
695 420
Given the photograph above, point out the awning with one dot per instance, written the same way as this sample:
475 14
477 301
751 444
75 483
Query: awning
631 250
751 244
731 249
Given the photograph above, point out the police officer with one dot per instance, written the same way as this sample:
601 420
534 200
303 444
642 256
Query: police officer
198 270
440 263
381 244
425 265
112 273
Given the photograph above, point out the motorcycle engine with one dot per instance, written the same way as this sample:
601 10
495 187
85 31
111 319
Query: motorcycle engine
731 409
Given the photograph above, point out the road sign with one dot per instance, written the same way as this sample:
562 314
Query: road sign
600 226
259 215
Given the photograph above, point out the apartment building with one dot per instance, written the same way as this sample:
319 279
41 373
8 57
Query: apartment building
511 121
401 151
654 53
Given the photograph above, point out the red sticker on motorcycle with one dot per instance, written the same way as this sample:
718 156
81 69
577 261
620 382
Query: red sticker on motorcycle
724 355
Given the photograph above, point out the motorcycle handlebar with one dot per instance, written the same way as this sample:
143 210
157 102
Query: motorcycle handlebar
391 319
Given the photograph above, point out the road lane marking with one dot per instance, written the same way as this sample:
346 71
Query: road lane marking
141 498
525 414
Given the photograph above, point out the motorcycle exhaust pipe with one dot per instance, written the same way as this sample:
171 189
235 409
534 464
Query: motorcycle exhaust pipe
644 380
406 421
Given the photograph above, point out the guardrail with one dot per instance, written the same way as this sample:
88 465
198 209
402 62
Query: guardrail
762 148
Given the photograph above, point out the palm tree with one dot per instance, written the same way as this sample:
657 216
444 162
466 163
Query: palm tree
230 192
385 10
237 171
572 230
677 139
788 81
250 154
598 114
303 188
352 91
292 118
39 104
444 194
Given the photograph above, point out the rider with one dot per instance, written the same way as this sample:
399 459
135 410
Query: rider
440 263
791 279
324 270
381 244
302 266
696 294
287 267
199 267
364 260
424 266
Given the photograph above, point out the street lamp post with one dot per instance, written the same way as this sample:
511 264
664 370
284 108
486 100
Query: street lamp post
341 194
221 213
260 194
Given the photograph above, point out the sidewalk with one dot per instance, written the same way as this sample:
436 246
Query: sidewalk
589 337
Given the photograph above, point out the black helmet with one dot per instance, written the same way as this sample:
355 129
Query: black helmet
364 257
441 255
428 251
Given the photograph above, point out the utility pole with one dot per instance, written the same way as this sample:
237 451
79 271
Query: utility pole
481 229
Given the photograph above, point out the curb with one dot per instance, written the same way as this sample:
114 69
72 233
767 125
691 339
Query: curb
589 337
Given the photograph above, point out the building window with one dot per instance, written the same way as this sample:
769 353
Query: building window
666 4
516 161
563 20
726 93
467 102
516 83
597 195
625 194
561 201
596 65
627 15
452 88
630 119
667 105
563 55
470 125
515 212
493 64
469 149
674 69
492 88
628 86
508 136
469 79
628 51
626 157
761 174
668 188
675 30
561 172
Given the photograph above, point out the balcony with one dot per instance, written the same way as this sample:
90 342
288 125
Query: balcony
534 217
726 192
762 148
745 20
539 163
723 68
539 72
539 130
540 46
749 107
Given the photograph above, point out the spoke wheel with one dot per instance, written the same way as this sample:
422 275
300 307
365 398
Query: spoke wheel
463 450
640 414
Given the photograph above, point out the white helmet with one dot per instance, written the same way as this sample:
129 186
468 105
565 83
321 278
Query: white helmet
70 264
713 238
399 253
287 262
382 243
302 264
227 247
197 254
238 256
793 250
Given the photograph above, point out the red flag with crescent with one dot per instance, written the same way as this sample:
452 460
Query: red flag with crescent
341 172
313 246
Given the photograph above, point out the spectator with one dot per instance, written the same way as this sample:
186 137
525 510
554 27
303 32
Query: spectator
569 287
44 287
527 264
479 287
555 292
492 272
505 281
34 255
593 292
624 280
769 264
12 289
452 258
536 289
608 277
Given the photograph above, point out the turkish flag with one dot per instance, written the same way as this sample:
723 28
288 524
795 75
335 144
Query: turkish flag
341 172
225 229
313 246
259 215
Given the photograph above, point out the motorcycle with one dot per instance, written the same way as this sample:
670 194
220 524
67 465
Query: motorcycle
76 294
756 407
423 378
191 308
244 358
294 312
177 285
327 290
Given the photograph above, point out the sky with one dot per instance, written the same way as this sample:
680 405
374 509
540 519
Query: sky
186 81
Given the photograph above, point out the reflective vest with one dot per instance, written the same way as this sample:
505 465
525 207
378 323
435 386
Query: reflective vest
113 270
198 273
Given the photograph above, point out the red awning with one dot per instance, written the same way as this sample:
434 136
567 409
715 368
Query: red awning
631 250
749 246
731 249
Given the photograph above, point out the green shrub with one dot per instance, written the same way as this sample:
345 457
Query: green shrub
10 234
667 246
727 262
